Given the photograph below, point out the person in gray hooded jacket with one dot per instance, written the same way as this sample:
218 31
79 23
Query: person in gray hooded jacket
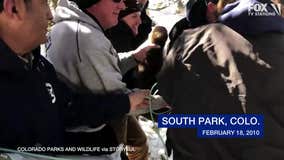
85 59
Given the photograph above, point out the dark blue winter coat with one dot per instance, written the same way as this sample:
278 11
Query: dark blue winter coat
35 107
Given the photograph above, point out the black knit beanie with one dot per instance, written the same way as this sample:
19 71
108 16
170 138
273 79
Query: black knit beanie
131 7
83 4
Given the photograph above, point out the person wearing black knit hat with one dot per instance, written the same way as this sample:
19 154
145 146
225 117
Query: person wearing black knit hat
131 15
127 27
131 7
122 37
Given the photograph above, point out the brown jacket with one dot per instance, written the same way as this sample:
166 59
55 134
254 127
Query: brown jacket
213 69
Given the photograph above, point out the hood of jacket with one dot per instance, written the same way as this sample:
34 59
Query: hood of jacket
69 11
236 15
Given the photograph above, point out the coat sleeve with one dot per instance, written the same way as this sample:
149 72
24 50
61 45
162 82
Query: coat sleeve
91 109
127 61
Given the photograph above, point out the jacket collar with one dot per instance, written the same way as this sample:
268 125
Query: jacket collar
10 62
124 27
96 20
121 28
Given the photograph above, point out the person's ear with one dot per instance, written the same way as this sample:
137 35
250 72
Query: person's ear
9 7
211 7
12 8
211 13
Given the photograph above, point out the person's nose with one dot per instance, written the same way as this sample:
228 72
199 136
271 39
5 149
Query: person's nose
139 21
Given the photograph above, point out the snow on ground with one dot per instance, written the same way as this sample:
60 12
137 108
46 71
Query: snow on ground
156 146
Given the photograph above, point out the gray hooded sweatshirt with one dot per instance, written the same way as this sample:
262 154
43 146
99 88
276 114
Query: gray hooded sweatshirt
82 55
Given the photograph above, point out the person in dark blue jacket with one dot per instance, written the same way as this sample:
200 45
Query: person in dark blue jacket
36 108
198 13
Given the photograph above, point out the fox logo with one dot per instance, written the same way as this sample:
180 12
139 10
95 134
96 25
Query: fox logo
261 9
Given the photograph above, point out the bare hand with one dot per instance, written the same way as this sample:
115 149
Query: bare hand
140 53
138 99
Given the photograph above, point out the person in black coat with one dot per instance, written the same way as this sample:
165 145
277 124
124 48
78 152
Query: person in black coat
131 31
123 35
146 24
124 38
36 108
213 69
